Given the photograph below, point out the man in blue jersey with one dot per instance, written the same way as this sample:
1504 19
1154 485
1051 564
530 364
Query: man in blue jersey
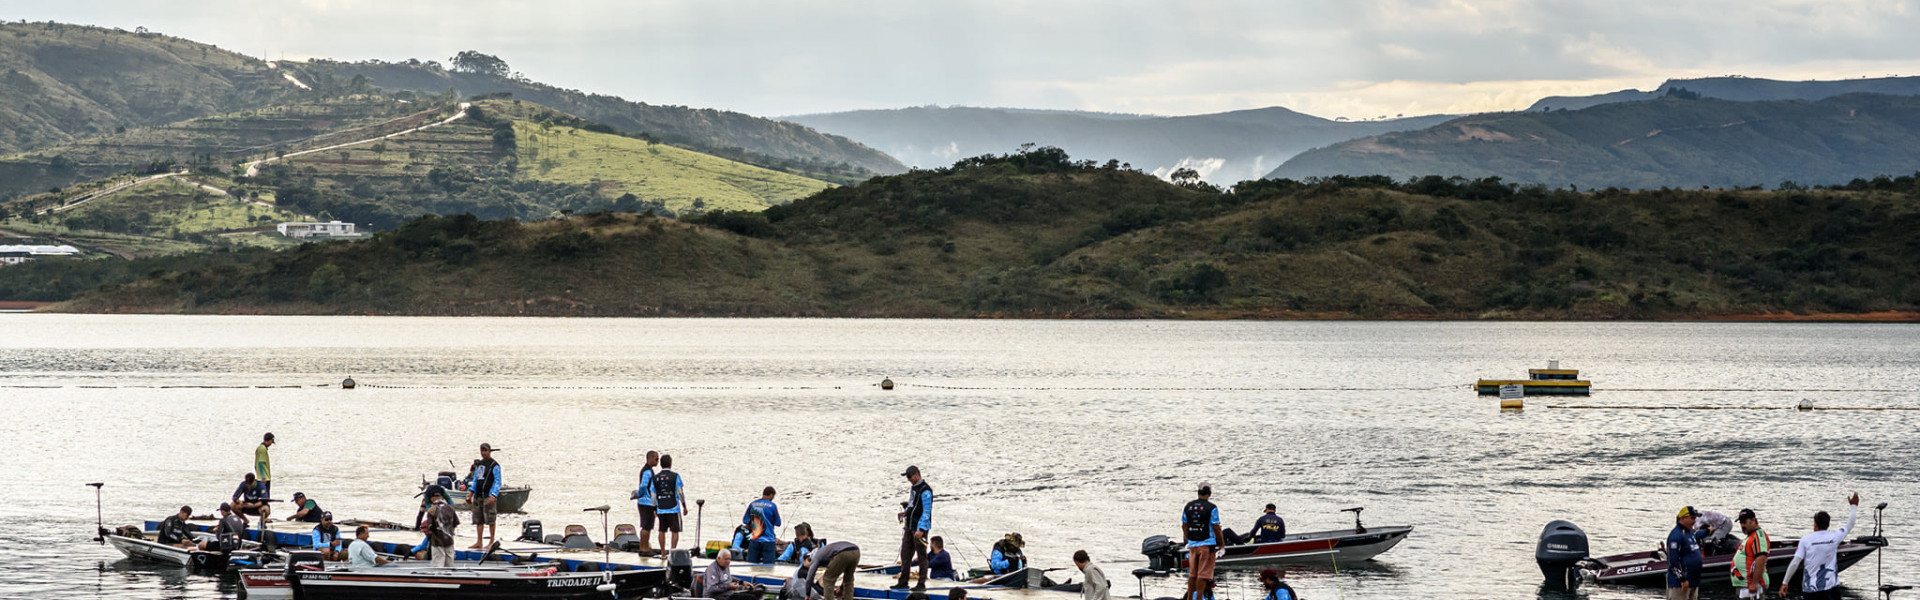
643 497
1683 557
1200 525
762 516
916 519
483 490
669 500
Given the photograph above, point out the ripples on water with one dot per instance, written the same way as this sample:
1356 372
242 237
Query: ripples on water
1095 469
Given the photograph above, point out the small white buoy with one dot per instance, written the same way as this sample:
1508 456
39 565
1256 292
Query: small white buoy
886 384
348 384
1806 404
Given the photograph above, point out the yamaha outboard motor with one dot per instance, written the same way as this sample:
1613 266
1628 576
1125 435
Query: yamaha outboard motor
1162 554
530 531
305 560
1562 548
680 570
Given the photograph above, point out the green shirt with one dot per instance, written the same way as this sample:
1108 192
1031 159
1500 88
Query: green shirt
1759 541
261 467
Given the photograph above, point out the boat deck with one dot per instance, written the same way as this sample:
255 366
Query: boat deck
867 585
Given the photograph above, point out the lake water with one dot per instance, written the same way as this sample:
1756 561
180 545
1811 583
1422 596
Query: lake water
1076 434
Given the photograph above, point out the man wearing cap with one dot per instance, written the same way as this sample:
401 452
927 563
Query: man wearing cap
228 533
1819 551
917 520
1200 524
1683 557
439 527
326 537
263 468
175 531
1750 561
1274 580
643 498
1267 529
483 490
305 509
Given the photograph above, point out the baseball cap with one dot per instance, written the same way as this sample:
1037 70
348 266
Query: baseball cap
299 494
226 507
1746 513
911 470
1270 506
1269 574
267 438
326 516
1687 512
486 447
1206 488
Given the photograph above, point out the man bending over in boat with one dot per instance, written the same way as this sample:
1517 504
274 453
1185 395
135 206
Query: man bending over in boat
174 531
1269 528
1713 529
251 499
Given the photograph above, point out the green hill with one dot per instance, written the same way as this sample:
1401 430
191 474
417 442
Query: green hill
1036 234
768 143
683 180
59 82
1670 142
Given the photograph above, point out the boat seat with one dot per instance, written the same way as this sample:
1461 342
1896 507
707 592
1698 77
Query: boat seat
576 538
625 538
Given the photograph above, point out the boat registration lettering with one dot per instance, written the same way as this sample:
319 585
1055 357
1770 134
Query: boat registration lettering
573 582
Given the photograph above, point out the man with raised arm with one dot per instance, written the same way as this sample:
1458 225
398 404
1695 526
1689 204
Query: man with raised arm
1819 552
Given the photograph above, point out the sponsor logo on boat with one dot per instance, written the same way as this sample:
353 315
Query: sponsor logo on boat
575 582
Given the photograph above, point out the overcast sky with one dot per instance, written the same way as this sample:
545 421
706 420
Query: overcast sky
1333 58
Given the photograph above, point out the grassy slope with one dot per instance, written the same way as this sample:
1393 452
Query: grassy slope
62 82
1012 239
618 165
1659 143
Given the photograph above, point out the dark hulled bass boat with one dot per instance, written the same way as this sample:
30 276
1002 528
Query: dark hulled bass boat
412 583
1320 547
1650 568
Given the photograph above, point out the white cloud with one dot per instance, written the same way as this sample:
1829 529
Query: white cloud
1352 58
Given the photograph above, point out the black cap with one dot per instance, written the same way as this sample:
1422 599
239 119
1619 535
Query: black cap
911 470
268 437
299 494
1269 506
1746 513
486 447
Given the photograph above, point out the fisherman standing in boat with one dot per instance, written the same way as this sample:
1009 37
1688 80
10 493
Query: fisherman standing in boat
669 495
439 526
917 518
1200 524
1750 562
1683 557
1819 551
762 544
643 498
262 467
483 490
174 530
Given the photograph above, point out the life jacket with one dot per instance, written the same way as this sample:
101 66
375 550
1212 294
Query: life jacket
1198 520
741 535
323 536
313 511
482 478
666 490
914 506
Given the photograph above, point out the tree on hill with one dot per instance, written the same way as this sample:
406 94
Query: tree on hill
469 61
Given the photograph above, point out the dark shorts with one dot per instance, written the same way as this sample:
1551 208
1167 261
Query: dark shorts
647 514
670 522
484 513
251 510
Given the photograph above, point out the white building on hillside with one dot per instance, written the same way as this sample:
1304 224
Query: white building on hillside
13 255
308 231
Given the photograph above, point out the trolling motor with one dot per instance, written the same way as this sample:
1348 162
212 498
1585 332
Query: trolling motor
1562 547
100 520
1357 527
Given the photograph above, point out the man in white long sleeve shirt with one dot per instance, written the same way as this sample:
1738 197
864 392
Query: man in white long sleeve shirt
1095 587
1715 526
1818 552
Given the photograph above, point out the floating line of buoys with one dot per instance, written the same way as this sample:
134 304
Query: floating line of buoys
1709 407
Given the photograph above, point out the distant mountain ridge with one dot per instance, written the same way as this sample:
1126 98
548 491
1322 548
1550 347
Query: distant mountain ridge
1669 142
1745 89
1223 147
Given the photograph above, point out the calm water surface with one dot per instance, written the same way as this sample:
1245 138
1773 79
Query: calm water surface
744 404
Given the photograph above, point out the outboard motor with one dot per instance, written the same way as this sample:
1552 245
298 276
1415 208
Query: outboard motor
530 531
1162 554
680 570
1562 548
305 560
